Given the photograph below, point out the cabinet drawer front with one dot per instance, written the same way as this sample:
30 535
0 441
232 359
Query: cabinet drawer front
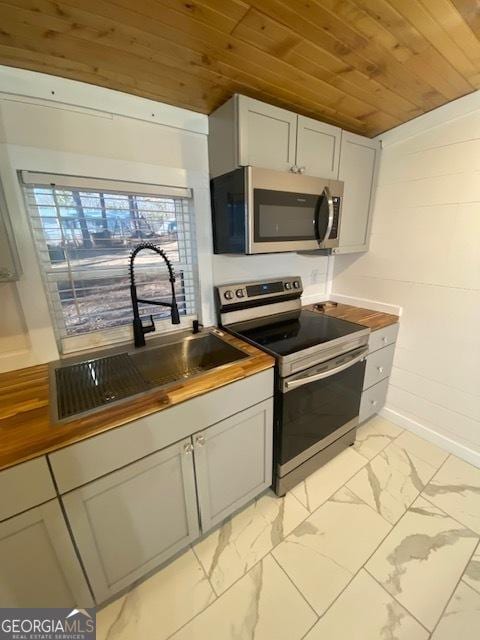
233 462
379 365
107 452
130 521
373 400
382 337
39 567
24 486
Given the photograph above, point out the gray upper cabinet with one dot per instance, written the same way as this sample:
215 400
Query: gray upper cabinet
233 462
39 567
266 135
359 159
131 520
9 261
318 148
244 131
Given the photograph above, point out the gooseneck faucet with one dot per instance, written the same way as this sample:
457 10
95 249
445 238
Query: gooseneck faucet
139 330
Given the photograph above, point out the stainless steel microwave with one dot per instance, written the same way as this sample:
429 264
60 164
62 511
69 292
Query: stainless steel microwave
264 211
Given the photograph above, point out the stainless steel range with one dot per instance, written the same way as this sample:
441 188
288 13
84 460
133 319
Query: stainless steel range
320 366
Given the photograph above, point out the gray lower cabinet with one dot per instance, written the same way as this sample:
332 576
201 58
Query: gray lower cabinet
381 348
128 522
38 564
233 462
373 400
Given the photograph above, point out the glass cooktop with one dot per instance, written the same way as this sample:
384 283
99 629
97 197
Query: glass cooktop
293 331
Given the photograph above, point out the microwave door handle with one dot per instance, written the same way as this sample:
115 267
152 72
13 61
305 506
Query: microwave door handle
294 384
331 214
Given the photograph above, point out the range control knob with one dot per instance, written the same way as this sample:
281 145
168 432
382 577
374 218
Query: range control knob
228 294
288 285
239 293
296 284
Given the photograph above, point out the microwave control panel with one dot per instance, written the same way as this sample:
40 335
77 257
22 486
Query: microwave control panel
336 217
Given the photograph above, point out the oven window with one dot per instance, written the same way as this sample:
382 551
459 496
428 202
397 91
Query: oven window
310 413
284 216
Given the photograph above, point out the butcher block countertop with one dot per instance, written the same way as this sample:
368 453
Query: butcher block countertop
27 431
367 317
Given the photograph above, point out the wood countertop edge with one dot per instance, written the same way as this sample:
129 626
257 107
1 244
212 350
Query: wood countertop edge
27 421
374 320
24 394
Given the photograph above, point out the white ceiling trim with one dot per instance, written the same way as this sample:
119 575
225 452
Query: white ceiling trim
20 82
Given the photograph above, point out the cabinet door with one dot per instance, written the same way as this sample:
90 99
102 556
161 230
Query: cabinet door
318 148
359 158
233 462
266 135
131 520
38 564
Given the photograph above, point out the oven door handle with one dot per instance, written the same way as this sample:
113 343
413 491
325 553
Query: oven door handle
294 384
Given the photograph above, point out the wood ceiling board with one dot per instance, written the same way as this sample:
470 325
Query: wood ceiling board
470 12
365 65
277 39
317 25
137 72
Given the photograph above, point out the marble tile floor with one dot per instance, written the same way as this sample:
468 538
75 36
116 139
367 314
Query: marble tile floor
380 543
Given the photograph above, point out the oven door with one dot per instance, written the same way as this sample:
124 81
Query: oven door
287 221
317 406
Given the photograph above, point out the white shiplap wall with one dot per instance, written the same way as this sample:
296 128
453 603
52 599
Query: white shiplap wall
425 256
313 269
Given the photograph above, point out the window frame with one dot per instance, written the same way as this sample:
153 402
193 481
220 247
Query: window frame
73 343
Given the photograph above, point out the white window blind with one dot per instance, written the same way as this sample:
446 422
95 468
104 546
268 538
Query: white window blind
84 231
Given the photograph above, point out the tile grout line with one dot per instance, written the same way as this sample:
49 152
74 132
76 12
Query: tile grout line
309 513
296 588
217 598
402 516
477 548
396 601
367 461
204 572
455 588
261 559
392 527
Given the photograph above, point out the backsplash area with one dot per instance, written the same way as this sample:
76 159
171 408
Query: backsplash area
313 269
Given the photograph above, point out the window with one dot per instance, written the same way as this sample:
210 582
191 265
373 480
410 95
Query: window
84 231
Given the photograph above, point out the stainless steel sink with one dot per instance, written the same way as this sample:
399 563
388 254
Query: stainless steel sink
84 386
169 363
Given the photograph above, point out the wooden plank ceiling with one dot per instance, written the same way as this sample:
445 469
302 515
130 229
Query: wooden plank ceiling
366 65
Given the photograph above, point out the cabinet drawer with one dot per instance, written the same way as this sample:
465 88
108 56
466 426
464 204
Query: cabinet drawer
382 337
373 400
379 365
80 463
24 486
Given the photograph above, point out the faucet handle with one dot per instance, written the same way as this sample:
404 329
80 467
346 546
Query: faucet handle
150 327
